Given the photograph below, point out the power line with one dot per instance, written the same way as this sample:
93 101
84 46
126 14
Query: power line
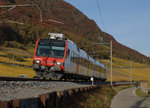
21 5
98 5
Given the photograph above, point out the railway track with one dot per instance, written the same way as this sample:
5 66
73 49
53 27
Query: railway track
49 80
18 88
32 79
21 79
28 92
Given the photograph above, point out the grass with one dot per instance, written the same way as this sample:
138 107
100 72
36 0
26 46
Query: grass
140 93
100 98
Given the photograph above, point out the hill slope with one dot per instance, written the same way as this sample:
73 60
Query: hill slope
68 20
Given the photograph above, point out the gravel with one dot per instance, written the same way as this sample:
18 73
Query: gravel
29 89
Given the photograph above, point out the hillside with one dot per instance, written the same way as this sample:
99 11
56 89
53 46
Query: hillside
61 17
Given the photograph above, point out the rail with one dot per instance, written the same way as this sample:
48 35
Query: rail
51 99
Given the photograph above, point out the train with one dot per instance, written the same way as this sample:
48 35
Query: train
58 58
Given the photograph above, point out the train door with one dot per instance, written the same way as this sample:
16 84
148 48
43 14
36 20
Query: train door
67 60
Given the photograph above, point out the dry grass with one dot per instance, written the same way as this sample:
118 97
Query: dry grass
12 70
15 71
26 62
26 53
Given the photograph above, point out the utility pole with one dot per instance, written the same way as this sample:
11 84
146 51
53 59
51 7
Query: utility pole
41 15
111 62
110 48
131 71
21 5
11 7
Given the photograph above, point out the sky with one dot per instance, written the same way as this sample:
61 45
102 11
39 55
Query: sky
128 21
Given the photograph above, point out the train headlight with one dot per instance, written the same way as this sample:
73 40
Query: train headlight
37 61
59 63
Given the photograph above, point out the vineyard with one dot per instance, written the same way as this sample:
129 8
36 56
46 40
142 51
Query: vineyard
123 71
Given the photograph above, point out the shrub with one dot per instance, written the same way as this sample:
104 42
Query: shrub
13 44
14 57
12 1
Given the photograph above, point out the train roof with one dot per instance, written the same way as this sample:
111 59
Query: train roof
50 40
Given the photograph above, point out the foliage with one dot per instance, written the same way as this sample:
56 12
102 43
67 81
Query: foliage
100 98
17 58
13 44
28 14
139 92
12 1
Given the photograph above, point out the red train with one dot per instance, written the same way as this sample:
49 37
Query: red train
58 58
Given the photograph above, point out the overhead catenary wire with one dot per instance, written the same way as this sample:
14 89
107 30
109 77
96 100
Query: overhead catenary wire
99 10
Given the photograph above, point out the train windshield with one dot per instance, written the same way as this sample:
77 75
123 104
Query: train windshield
51 49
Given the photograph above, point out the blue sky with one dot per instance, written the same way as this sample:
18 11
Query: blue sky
128 21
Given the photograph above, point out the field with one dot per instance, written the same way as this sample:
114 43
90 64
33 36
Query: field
16 62
16 71
123 72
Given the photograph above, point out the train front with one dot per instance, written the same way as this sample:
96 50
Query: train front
49 58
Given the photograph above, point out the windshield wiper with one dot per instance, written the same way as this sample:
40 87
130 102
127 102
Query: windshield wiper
53 54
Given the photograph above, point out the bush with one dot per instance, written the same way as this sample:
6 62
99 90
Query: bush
12 1
13 44
14 57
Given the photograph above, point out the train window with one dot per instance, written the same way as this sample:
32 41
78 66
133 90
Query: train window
86 63
78 59
87 56
78 49
99 69
103 70
72 56
68 51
